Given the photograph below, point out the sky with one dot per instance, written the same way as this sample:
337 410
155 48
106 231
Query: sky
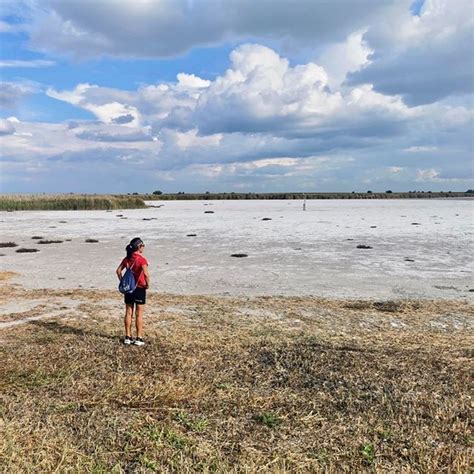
119 96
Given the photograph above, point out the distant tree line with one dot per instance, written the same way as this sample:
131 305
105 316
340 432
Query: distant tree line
389 194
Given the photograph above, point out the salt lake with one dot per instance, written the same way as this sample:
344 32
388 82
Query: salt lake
420 248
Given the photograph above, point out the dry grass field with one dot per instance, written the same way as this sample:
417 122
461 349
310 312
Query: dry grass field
267 384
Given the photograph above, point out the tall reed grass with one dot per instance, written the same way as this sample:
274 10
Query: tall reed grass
68 202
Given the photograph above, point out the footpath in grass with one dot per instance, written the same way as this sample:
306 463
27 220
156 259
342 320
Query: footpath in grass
236 385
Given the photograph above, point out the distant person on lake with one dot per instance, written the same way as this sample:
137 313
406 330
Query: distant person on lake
135 300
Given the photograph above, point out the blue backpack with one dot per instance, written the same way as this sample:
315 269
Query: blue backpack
128 284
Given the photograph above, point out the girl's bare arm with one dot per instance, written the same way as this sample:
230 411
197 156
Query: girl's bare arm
147 275
119 271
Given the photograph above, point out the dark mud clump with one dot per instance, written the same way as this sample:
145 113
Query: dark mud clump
91 241
409 259
239 255
191 235
37 237
8 244
267 219
208 212
364 247
387 306
50 242
22 250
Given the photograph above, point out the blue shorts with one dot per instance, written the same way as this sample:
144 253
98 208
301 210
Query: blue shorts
137 297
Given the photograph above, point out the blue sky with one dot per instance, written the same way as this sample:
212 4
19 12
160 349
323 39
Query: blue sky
235 95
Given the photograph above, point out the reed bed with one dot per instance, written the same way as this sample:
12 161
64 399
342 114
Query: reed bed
312 195
238 385
68 202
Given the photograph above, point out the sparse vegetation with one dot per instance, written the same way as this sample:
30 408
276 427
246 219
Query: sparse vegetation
44 242
327 385
25 250
68 202
136 201
8 244
310 195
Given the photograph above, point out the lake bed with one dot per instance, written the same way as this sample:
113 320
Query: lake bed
410 248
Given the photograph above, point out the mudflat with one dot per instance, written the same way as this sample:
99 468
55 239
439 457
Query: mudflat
387 249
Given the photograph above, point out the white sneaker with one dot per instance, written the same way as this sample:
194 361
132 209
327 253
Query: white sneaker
139 341
127 340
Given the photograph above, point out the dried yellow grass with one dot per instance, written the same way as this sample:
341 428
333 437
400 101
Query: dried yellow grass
277 384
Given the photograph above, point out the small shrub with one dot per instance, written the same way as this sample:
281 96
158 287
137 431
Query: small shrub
267 419
91 241
8 244
368 453
37 237
193 424
50 242
22 250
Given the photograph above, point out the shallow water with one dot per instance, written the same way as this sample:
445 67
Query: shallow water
295 253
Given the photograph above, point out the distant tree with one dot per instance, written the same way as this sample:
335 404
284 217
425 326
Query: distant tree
157 192
135 194
207 192
470 191
369 192
388 191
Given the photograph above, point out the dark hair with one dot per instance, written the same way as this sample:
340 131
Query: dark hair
133 246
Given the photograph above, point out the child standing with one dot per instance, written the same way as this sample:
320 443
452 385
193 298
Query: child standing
136 300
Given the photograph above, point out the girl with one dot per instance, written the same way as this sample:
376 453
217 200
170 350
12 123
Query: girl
139 265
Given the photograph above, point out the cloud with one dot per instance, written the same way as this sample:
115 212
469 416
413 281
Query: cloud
423 58
346 57
172 28
420 149
122 119
108 136
266 123
11 93
6 127
17 63
427 174
107 105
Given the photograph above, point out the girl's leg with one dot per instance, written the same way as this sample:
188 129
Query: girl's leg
128 319
139 319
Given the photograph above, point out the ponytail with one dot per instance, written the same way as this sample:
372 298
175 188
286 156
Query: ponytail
129 249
